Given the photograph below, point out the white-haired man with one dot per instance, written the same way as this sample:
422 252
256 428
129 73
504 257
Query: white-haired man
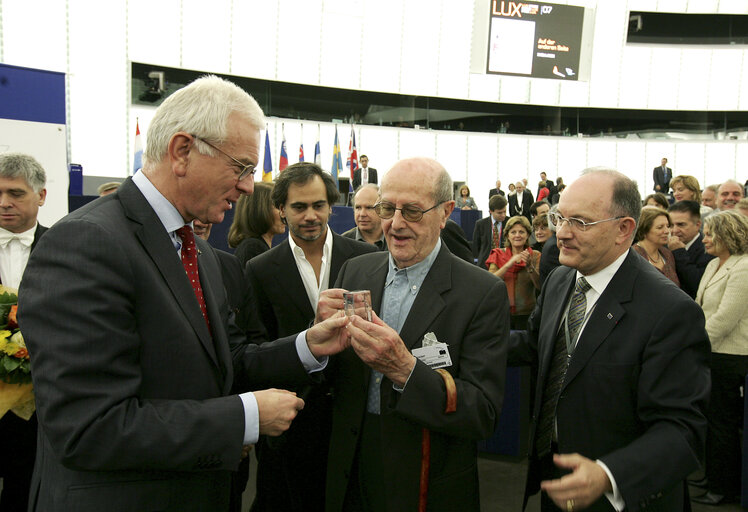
135 354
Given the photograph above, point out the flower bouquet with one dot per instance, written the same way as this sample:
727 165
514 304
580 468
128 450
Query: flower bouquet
16 392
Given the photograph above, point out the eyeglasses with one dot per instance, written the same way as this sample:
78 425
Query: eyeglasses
246 169
410 213
575 224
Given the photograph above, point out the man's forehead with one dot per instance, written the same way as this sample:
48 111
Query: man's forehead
16 183
730 188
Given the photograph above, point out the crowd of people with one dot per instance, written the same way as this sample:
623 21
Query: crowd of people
160 363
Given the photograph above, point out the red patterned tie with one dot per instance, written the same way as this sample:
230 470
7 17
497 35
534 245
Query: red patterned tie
189 260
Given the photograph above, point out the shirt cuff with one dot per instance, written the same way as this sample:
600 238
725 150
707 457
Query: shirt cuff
400 390
251 418
310 363
615 498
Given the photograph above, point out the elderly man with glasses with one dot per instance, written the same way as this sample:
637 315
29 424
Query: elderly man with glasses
622 359
136 358
424 377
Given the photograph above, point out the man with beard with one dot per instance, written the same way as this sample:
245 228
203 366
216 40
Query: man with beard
284 283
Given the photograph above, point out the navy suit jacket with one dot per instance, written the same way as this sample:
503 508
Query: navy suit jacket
690 265
636 387
658 175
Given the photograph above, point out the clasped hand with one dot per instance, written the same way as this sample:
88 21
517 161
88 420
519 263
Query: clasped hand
584 485
376 344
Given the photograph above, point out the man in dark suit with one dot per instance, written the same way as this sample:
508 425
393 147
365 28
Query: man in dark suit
368 225
520 203
662 176
402 429
686 243
22 192
622 385
364 174
134 350
285 283
548 184
495 191
488 232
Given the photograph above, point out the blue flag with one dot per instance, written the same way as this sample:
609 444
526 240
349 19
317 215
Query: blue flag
267 166
337 161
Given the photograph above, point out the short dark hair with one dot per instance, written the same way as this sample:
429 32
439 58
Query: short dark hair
534 207
254 215
496 202
691 207
300 174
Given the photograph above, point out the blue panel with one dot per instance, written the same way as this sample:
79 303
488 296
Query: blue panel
466 219
32 95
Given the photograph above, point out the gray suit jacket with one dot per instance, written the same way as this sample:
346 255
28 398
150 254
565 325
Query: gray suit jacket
637 385
132 389
466 308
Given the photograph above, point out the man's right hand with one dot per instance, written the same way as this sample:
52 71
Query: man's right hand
330 302
277 409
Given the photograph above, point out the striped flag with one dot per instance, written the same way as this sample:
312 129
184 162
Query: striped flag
352 162
337 161
301 145
267 165
137 162
283 162
317 155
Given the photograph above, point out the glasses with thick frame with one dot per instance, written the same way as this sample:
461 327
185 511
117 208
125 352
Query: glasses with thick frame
576 224
410 213
246 169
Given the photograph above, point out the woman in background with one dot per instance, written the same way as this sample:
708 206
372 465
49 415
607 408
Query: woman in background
723 294
651 238
657 199
464 201
517 265
687 188
256 221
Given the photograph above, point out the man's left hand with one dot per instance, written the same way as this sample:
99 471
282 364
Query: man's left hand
328 337
674 243
579 489
381 348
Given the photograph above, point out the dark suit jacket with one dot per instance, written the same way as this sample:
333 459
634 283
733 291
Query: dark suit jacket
357 177
495 191
132 388
483 239
690 265
290 474
466 308
636 387
659 179
454 238
548 258
526 204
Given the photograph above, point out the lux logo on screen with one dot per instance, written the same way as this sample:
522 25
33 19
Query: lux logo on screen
512 9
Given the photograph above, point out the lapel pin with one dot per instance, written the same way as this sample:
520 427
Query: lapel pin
610 316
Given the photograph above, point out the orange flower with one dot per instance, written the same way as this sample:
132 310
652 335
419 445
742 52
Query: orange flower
22 353
12 321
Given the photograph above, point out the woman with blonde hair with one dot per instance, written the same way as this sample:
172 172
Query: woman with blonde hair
722 294
650 241
518 266
256 221
687 188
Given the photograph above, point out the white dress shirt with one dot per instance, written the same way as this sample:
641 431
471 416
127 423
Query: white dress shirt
14 254
306 271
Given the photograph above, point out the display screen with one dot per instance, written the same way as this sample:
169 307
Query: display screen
540 40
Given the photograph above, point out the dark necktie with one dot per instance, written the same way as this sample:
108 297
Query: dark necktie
559 364
189 260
